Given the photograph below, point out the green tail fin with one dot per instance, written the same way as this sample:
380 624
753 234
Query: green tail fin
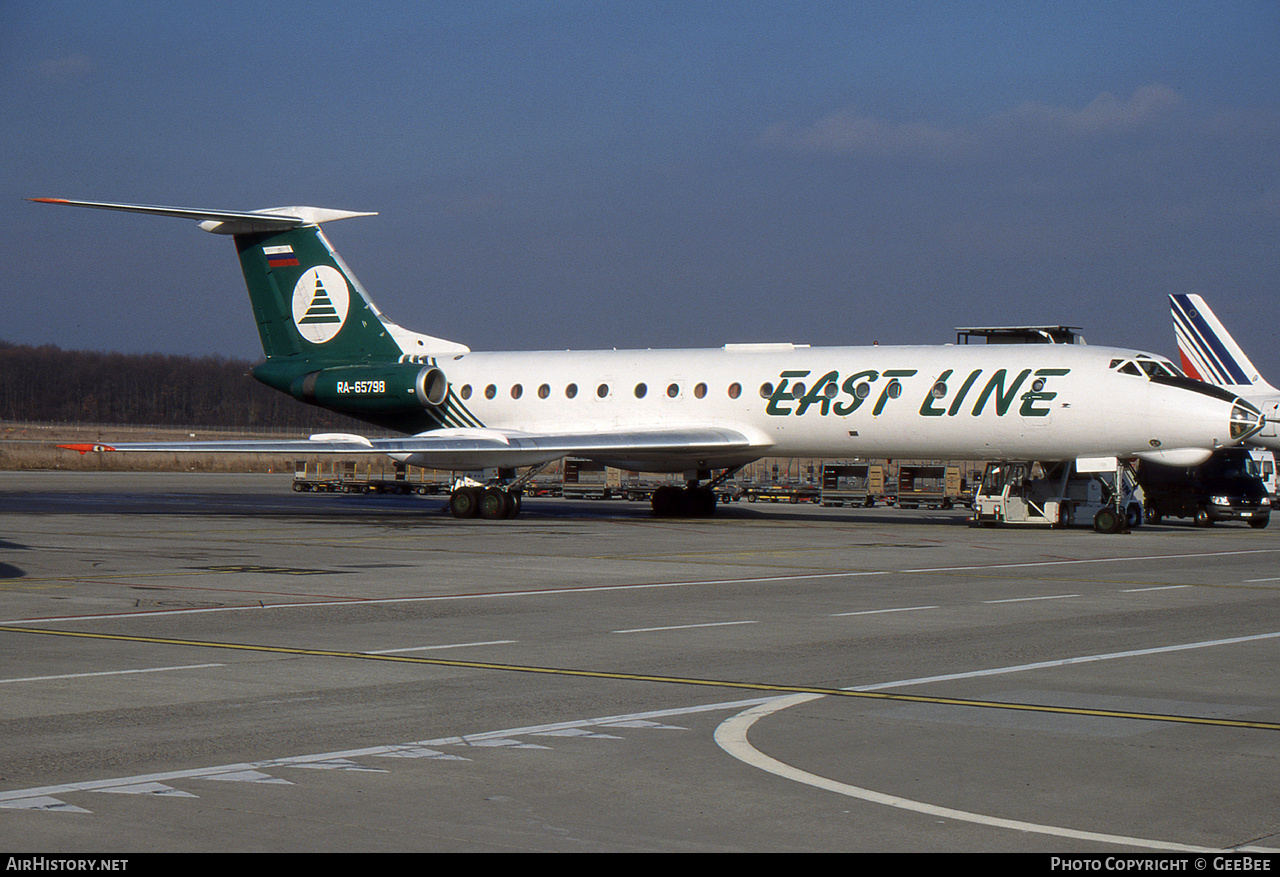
308 304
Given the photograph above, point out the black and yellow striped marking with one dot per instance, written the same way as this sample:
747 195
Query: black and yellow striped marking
670 680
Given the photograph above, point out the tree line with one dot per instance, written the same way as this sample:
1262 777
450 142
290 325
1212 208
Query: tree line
47 383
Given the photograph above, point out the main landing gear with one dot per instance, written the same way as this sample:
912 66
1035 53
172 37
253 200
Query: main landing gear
495 501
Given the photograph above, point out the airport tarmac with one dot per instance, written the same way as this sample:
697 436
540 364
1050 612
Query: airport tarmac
215 663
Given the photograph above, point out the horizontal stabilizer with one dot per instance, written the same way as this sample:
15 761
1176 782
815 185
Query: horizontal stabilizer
224 221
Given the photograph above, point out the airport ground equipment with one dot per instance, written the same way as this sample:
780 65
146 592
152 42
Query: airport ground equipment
854 484
1059 495
931 486
781 492
347 476
584 479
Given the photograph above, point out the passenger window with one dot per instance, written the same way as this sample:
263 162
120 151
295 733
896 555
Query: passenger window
673 390
516 391
490 391
641 389
766 390
735 390
571 391
544 391
700 391
602 390
466 391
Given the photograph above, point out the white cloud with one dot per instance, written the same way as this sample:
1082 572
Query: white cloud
1106 114
845 132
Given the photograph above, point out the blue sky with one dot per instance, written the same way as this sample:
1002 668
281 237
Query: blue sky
652 174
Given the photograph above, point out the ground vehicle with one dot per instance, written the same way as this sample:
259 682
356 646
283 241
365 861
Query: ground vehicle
585 479
344 476
858 484
781 492
929 486
1227 487
1056 494
1265 461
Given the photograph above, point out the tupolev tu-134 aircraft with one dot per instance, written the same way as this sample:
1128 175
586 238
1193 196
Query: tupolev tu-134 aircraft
705 413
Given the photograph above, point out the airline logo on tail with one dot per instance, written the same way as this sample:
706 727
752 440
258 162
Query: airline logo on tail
1208 351
321 300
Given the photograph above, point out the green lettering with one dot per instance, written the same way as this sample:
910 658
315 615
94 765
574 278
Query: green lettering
1033 396
893 389
850 386
782 394
1003 399
817 394
964 390
926 407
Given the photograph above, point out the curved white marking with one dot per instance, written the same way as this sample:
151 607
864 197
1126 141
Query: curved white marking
731 736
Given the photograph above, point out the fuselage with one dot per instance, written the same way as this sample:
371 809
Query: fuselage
1046 402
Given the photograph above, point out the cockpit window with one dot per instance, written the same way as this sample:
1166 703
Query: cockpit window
1158 367
1145 365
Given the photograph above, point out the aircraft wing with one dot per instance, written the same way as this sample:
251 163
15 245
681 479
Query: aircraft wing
482 448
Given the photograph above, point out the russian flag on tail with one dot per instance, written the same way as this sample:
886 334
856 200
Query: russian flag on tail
280 257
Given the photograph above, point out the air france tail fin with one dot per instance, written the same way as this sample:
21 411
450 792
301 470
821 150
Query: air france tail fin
308 305
1208 351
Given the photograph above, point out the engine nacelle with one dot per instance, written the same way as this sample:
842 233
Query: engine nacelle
390 388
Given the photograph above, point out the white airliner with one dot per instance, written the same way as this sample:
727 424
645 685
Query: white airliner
705 413
1209 353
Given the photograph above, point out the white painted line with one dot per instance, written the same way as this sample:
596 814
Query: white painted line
590 589
731 736
1030 599
1066 662
1156 588
26 797
684 626
492 642
1255 581
882 611
109 673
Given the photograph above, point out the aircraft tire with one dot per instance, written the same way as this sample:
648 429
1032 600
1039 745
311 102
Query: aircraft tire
516 502
699 502
666 501
495 504
464 502
1107 521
